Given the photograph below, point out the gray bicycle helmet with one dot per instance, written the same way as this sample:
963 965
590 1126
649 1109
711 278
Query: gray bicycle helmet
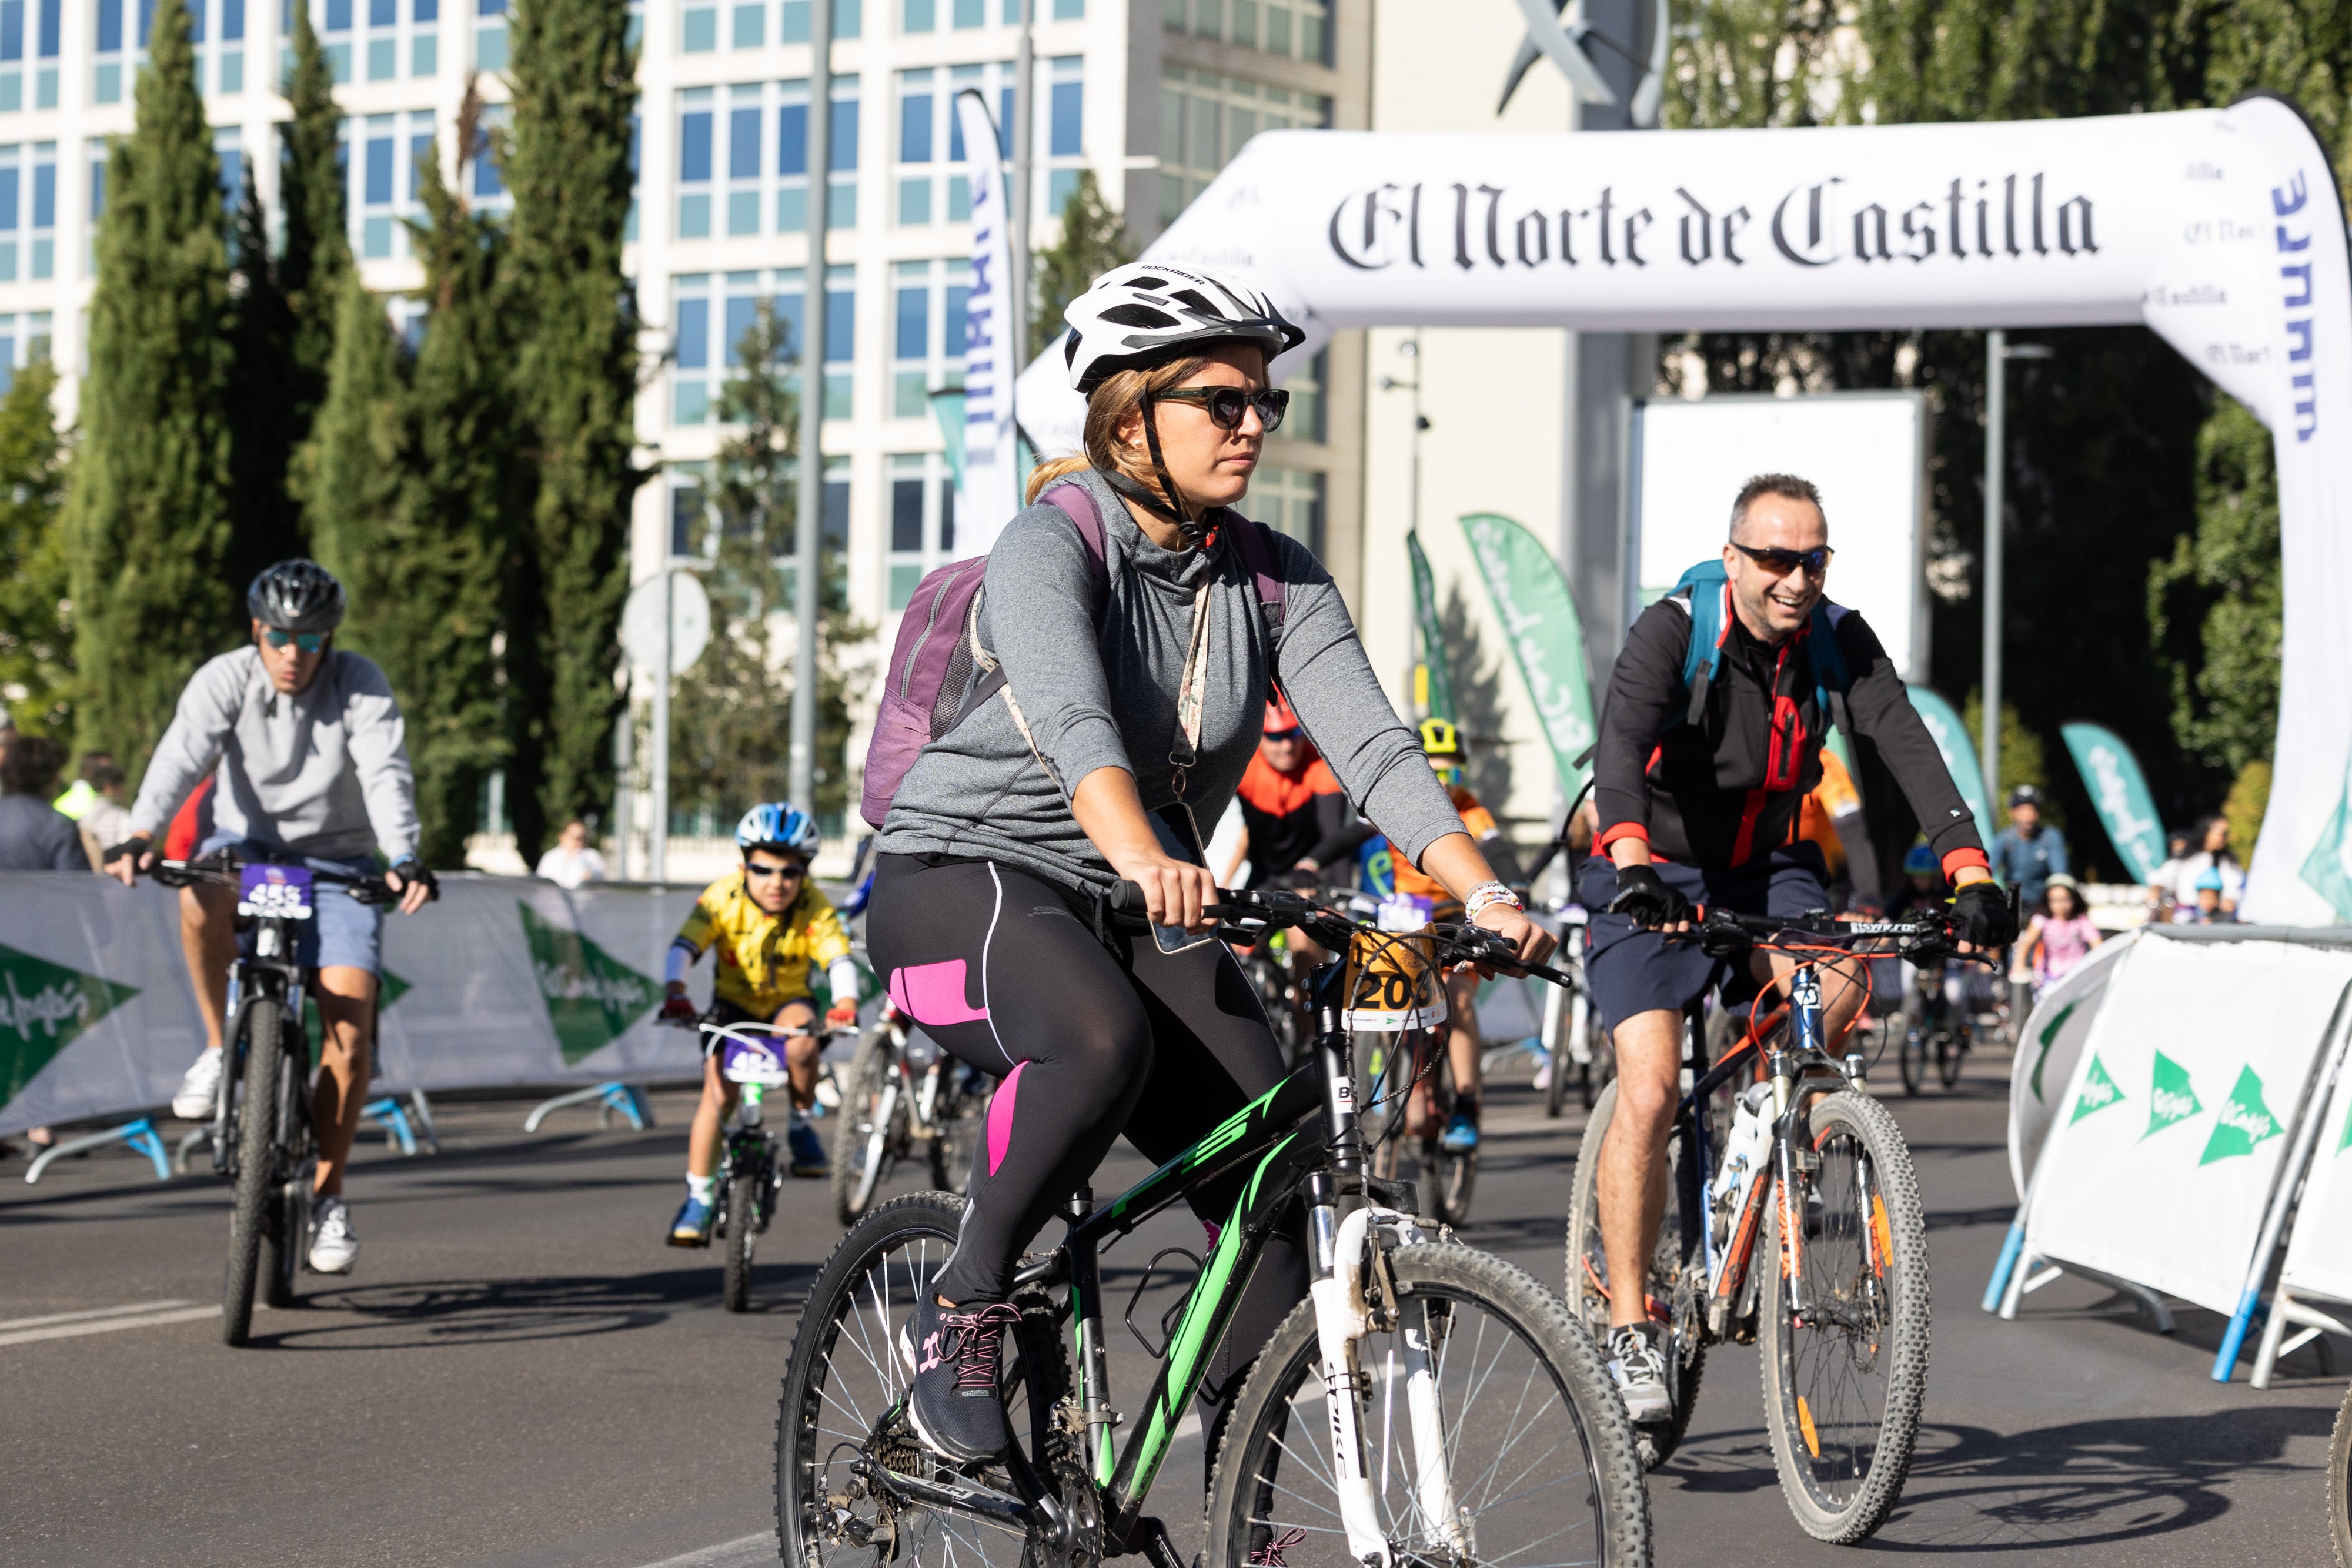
1145 312
296 596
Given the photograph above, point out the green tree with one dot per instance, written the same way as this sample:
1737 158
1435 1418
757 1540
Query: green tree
731 718
575 383
148 513
1094 240
312 190
413 479
2227 582
36 589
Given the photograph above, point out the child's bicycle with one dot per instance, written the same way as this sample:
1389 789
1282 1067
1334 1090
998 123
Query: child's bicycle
749 1176
1428 1405
1801 1228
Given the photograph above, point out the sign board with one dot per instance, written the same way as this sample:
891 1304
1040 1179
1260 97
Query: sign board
2053 1040
690 622
2319 1250
2162 1154
1866 452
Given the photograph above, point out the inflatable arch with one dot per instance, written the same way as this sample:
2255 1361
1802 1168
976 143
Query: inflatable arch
2221 229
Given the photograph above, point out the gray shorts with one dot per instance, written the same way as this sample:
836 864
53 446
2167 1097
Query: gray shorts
341 933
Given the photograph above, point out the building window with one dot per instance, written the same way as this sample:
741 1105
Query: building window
926 332
710 314
929 140
1065 132
45 210
1205 119
489 35
919 17
1290 500
920 532
12 191
1306 385
1294 29
691 525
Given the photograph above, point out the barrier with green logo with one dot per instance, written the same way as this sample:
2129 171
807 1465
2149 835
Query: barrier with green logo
503 981
2169 1160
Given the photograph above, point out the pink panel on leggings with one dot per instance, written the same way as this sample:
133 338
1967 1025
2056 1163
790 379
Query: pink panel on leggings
1000 1118
933 993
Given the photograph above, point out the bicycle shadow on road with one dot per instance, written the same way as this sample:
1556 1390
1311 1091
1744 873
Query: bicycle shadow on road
2075 1484
435 1314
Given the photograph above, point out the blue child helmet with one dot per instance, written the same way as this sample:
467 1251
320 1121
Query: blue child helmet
773 825
1921 862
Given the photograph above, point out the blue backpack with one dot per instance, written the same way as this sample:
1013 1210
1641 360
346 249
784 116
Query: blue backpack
1705 592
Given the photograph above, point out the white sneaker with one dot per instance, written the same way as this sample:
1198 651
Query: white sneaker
198 1089
334 1246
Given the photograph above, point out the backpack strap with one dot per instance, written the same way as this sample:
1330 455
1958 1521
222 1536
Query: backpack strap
1832 678
1255 542
1705 604
1072 501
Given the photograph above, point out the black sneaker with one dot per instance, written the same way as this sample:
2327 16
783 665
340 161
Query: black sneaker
954 1405
1638 1366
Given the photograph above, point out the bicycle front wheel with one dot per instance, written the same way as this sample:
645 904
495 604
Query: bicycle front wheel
739 1224
1536 1456
1846 1365
256 1211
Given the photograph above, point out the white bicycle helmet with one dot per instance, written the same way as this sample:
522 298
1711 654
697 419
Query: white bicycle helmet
1148 312
777 826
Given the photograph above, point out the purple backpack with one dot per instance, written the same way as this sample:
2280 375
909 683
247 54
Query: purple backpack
939 674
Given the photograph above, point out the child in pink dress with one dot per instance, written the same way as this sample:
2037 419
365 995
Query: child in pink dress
2059 936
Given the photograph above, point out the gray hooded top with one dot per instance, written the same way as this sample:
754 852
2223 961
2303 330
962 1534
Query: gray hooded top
1105 697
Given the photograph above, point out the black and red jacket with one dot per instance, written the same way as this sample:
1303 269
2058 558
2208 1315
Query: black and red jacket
1727 789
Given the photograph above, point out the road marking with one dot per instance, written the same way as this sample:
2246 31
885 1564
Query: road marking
743 1552
104 1319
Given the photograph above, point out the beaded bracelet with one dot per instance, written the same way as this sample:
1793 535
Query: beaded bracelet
1485 895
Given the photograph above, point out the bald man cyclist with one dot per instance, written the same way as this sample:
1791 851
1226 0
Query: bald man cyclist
1699 803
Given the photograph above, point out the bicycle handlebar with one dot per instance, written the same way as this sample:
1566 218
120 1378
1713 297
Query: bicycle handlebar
1723 931
222 871
1249 913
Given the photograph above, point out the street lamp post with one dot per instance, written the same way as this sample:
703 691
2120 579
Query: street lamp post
1998 353
808 522
1411 350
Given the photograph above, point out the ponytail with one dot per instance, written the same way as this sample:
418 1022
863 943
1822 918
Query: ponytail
1119 395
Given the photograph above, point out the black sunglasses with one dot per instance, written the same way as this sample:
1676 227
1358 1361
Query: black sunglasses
763 872
1782 563
1292 733
1226 406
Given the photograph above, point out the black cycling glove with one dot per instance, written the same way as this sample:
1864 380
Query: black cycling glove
133 847
1981 914
414 870
1643 895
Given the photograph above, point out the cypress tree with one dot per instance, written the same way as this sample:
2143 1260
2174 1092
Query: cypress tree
267 424
567 163
148 517
317 249
35 592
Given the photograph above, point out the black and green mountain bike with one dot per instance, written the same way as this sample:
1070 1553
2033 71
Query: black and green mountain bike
1428 1403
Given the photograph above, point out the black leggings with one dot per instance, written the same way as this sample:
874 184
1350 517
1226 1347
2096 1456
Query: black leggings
1005 971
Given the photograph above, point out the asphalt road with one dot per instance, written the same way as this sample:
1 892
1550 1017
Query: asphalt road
520 1375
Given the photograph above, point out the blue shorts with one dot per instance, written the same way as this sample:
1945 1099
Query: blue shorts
341 933
1637 971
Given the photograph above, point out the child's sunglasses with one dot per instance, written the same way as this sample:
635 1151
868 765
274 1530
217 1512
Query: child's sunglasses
1226 406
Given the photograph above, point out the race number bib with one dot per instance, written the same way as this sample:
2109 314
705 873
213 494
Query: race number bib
1393 984
275 891
750 1062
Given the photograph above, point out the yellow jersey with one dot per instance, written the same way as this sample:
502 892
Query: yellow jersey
764 960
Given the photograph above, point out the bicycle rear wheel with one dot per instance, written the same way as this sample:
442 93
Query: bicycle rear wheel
844 1410
1670 1292
1844 1380
1536 1445
255 1210
1913 1049
1951 1046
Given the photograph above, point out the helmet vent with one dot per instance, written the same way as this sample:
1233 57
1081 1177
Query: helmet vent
1138 316
1197 300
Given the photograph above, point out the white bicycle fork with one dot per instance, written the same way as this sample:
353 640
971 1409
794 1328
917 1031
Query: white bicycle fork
1342 1318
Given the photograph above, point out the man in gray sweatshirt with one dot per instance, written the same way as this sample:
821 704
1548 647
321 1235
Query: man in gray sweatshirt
305 746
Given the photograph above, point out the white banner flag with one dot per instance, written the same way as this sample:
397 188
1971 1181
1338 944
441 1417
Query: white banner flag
991 464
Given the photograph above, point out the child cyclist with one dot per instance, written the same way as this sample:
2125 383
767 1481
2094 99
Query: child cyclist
771 928
1443 744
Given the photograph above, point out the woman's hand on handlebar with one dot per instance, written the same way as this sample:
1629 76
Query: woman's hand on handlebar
126 859
1530 942
1175 892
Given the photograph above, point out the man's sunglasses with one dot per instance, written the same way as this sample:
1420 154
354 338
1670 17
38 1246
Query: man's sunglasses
1226 406
308 641
790 873
1782 563
1292 733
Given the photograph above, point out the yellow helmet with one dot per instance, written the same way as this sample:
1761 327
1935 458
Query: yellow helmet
1440 738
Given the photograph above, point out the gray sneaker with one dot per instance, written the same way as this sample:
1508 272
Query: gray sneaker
1638 1366
954 1405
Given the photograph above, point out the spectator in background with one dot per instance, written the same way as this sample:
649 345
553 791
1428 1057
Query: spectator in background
2206 905
2212 855
2160 886
97 807
2059 936
2027 852
571 859
33 834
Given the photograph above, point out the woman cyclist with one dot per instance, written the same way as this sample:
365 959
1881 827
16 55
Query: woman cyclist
1136 693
